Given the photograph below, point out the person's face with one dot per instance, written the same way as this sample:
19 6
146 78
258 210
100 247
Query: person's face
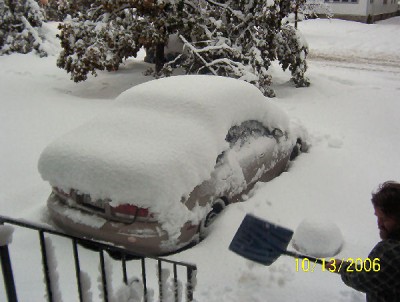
386 224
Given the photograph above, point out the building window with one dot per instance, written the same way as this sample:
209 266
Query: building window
348 1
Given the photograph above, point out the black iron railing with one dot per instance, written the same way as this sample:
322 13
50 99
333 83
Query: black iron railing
100 248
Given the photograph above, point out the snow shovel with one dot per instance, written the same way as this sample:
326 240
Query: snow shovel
263 242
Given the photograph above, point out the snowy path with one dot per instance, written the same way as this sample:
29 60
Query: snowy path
360 63
387 64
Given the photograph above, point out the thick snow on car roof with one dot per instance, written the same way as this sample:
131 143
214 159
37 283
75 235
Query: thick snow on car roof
158 141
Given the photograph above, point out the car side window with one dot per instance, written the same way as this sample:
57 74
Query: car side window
241 133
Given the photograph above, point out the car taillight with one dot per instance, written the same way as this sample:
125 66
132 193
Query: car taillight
131 210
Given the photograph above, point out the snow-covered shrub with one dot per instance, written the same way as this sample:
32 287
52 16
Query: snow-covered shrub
52 11
239 39
314 8
308 9
95 46
58 10
100 38
292 51
20 21
236 39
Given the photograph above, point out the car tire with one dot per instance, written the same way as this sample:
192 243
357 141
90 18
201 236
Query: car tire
217 207
297 149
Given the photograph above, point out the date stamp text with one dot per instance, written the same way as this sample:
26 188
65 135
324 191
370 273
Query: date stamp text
349 265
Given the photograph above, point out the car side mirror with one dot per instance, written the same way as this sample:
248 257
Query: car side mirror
277 133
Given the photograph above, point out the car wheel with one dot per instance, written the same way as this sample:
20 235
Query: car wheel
296 149
217 207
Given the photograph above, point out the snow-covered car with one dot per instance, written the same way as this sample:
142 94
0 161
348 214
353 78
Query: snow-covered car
152 172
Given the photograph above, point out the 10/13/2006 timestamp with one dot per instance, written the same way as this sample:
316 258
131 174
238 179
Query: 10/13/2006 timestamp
350 265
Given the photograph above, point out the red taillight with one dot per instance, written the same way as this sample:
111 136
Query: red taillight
131 210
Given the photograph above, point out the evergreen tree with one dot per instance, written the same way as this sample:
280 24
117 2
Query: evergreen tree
235 38
20 21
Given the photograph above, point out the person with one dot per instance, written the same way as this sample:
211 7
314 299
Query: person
379 277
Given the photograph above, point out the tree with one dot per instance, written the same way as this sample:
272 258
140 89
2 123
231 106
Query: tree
58 10
314 8
240 39
20 21
235 38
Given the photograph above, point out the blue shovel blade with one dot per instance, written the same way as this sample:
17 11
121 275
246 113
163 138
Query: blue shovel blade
259 240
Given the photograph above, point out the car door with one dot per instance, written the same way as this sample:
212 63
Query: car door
255 147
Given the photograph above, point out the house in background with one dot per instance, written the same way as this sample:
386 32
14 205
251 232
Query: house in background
367 11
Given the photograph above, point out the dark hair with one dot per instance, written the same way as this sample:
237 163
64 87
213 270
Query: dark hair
387 198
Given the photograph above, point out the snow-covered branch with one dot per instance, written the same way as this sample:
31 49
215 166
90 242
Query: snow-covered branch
196 52
20 22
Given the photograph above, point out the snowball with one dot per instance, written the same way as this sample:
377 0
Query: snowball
318 238
6 232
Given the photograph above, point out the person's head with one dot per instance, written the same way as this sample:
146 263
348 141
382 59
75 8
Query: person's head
386 202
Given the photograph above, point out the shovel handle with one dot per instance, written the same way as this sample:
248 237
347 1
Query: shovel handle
297 255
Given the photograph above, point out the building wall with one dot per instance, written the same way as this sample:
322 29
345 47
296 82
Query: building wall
378 7
364 10
349 7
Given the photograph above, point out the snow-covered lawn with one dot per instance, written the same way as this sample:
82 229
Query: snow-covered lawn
351 112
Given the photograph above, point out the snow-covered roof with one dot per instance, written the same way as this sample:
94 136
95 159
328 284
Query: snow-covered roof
158 141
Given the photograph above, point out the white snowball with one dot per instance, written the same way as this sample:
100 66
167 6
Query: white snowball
318 238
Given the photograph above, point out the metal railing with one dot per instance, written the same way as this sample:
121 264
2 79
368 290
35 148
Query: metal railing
100 248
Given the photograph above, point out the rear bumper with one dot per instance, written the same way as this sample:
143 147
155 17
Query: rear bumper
141 238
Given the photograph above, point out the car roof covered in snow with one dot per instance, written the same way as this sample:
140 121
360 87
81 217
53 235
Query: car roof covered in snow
158 140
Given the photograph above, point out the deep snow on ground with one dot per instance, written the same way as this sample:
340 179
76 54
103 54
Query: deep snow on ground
351 112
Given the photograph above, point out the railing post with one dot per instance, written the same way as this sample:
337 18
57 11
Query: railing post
103 275
77 269
144 279
160 280
124 271
191 273
46 269
8 274
176 289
